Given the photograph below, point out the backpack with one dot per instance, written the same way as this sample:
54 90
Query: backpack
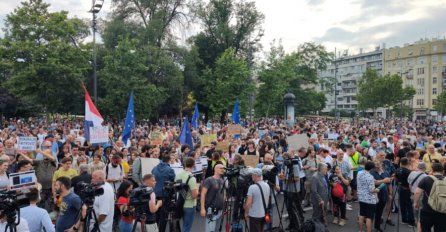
437 196
179 213
337 191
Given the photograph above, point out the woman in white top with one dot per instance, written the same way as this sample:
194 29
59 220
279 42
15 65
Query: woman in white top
4 180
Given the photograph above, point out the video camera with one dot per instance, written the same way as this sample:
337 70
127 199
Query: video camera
139 198
269 173
8 205
290 162
87 192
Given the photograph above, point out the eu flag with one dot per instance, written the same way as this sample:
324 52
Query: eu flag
236 113
129 120
195 117
186 135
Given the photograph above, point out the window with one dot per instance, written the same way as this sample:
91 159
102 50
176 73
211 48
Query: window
434 80
420 91
434 59
420 81
434 48
410 61
434 70
422 60
420 102
443 58
420 71
434 91
421 51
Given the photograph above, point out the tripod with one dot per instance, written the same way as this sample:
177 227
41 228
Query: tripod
233 210
10 220
142 222
288 200
277 205
173 222
397 188
91 215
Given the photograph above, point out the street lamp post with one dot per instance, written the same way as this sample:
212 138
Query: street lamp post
288 101
95 8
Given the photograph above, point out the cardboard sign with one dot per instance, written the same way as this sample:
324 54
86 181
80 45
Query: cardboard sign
27 143
207 139
147 165
223 145
177 168
156 138
297 141
234 129
22 179
204 161
251 160
99 134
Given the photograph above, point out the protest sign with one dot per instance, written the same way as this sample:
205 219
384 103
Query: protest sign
223 146
177 168
147 164
156 138
99 134
297 141
22 179
251 160
204 161
207 139
27 143
234 129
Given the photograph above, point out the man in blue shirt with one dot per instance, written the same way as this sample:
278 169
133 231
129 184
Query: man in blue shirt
163 173
37 218
70 206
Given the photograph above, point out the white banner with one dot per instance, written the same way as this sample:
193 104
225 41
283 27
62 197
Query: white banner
99 134
27 143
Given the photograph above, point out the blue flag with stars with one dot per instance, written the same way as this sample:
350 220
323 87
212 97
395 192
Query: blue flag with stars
186 135
236 113
195 117
129 120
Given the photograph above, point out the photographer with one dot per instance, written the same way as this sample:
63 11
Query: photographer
104 205
290 174
162 172
148 211
256 207
190 202
38 218
212 198
21 227
71 204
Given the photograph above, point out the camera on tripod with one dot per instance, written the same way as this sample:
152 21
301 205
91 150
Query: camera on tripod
8 206
290 162
269 173
140 196
87 192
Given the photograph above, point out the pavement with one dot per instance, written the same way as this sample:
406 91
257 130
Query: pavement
350 226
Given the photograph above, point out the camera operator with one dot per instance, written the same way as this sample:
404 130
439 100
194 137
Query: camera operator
83 177
21 227
70 206
255 207
148 182
38 218
104 205
162 172
212 198
290 174
403 173
191 198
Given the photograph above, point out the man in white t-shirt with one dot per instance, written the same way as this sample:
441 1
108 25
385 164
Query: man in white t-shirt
104 205
114 173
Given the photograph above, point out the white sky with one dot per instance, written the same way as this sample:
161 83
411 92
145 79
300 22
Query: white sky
344 24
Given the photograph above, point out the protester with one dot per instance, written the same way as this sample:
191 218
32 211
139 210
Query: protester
123 196
38 219
339 183
320 196
162 172
407 215
4 177
211 198
70 205
381 181
366 197
114 172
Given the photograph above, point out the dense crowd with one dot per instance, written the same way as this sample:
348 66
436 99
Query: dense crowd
365 162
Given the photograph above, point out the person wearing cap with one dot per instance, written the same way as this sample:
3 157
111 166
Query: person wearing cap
114 173
255 206
416 176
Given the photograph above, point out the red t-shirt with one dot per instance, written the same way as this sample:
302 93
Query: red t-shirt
125 201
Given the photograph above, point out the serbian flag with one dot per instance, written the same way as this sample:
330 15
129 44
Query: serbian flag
92 116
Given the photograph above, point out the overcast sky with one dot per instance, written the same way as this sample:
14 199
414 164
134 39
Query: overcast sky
344 24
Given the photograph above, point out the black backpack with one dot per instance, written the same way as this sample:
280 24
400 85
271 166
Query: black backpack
181 199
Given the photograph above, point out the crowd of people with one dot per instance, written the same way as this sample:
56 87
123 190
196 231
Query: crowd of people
372 162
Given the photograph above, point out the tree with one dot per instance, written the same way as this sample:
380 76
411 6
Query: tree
231 81
291 72
440 103
45 65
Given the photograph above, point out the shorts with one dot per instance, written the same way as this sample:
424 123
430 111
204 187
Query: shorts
367 210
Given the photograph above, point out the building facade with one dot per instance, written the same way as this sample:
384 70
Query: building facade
421 65
343 75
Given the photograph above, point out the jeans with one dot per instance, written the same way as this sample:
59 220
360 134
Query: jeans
124 226
188 218
406 206
211 220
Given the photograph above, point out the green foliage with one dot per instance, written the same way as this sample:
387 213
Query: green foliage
45 68
387 91
440 103
291 72
231 80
